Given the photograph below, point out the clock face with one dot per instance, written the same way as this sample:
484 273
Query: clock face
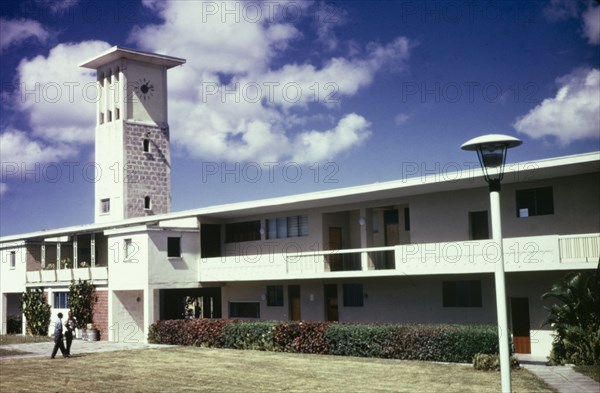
144 89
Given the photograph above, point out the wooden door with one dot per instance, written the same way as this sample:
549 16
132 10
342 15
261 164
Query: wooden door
335 243
294 302
519 307
331 302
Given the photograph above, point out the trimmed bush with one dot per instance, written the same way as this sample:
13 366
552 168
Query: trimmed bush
196 332
485 362
249 335
446 343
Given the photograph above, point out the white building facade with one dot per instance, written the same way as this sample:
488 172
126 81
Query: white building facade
413 250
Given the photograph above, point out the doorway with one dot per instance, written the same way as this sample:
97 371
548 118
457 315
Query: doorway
294 302
210 240
392 237
331 302
519 307
478 225
335 243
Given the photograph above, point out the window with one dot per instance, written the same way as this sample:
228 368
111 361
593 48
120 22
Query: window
101 119
462 293
535 202
109 116
147 205
242 232
244 310
105 205
353 295
284 227
406 219
61 299
117 114
129 250
146 145
275 295
13 259
174 247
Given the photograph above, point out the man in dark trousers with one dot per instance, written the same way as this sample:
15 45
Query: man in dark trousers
58 338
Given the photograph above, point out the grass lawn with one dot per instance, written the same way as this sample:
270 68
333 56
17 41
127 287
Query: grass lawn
201 369
591 371
7 339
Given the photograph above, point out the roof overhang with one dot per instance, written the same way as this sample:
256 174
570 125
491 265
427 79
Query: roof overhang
118 52
529 171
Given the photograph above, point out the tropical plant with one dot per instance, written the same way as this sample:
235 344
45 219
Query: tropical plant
36 310
82 296
576 319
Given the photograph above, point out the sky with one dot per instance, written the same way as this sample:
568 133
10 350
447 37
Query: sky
285 97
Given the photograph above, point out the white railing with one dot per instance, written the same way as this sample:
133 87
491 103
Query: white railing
66 275
532 253
579 248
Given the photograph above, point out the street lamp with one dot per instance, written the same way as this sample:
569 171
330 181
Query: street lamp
491 150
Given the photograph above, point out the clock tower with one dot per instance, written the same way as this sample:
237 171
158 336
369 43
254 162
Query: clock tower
132 152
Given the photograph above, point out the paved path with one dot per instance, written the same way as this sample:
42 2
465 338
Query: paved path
78 347
562 378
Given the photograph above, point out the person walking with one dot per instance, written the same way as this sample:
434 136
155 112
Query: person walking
58 338
70 326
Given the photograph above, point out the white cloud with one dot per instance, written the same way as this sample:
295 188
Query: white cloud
591 24
315 146
237 99
401 119
57 6
561 9
15 32
573 114
58 96
17 148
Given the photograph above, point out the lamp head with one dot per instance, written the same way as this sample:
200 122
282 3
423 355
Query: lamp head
491 150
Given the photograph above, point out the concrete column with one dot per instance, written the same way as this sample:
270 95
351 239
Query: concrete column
58 256
364 257
75 264
43 246
93 250
148 311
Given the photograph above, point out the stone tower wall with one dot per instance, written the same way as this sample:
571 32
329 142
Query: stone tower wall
147 173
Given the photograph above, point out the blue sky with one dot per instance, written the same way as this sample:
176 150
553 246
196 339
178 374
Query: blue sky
283 97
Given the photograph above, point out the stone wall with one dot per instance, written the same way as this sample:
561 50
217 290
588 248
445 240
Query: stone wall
147 174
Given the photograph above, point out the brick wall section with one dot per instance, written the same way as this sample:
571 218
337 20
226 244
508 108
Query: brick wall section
147 174
100 318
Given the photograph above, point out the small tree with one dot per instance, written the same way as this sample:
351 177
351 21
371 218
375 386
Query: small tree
36 310
82 296
576 321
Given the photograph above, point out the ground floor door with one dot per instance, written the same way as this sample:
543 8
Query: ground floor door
294 302
519 310
331 302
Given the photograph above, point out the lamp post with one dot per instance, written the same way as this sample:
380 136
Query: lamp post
491 150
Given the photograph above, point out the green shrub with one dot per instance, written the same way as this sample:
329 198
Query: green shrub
358 340
36 310
249 335
458 344
82 297
449 343
487 362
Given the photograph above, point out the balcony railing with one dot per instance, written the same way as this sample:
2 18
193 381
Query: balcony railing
66 275
534 253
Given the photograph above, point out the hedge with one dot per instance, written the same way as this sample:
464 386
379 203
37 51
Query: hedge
445 343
